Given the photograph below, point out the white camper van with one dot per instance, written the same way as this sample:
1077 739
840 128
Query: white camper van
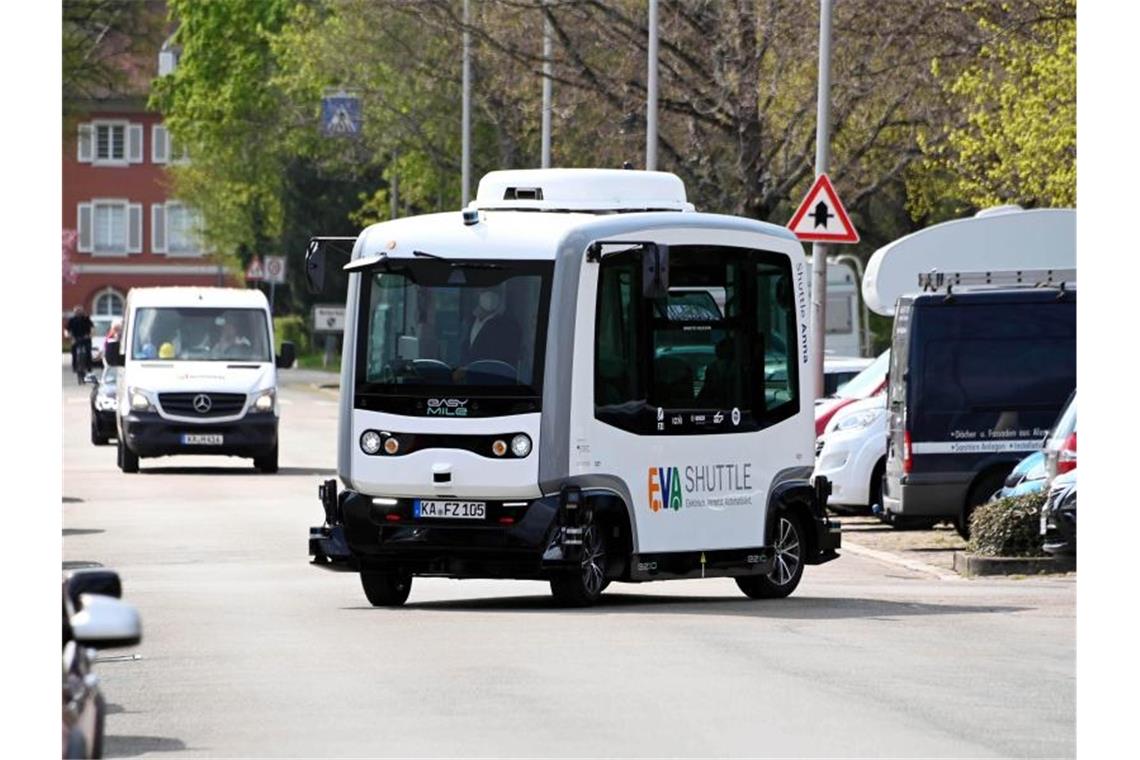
544 386
198 375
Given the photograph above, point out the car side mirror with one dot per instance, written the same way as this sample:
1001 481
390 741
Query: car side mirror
287 355
94 580
105 623
112 354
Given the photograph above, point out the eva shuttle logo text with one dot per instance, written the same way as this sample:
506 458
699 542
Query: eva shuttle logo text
665 489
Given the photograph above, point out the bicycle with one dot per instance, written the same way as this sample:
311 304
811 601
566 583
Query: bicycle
81 358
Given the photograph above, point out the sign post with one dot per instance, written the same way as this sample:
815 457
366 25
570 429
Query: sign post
274 274
329 320
822 158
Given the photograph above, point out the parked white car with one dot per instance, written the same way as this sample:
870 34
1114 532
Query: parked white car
852 453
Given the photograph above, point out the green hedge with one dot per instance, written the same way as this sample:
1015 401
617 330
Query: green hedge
295 328
1009 527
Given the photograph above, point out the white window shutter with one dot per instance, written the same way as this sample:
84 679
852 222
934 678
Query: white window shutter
86 142
159 144
135 143
158 228
83 223
134 228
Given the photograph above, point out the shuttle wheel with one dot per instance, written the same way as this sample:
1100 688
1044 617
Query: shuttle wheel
788 567
386 588
582 587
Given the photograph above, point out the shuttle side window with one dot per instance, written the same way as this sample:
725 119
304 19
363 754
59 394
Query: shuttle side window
717 355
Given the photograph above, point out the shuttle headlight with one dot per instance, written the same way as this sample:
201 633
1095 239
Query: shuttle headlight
520 445
499 447
391 445
370 442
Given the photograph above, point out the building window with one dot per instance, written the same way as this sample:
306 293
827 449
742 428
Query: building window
110 143
164 148
108 303
175 229
110 227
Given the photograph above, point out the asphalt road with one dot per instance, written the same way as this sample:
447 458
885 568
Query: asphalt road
249 651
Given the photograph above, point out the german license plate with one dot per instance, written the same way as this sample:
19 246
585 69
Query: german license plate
202 439
452 510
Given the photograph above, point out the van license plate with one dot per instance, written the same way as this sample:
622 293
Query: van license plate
202 439
462 510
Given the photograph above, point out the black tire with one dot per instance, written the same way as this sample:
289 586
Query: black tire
267 463
875 491
914 523
128 460
386 588
98 440
981 491
582 586
789 545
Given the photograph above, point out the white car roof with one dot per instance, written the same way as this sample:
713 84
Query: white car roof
204 297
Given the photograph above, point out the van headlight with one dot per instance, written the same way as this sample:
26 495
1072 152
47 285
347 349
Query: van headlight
140 400
857 421
264 401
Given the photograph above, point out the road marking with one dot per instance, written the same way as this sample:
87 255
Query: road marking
895 559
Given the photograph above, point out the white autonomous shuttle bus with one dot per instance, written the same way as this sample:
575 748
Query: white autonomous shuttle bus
578 378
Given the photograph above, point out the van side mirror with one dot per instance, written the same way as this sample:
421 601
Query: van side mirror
287 355
655 271
112 354
105 623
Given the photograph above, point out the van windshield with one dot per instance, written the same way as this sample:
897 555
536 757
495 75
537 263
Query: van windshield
200 334
436 326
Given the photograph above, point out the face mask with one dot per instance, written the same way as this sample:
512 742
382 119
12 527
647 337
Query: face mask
488 301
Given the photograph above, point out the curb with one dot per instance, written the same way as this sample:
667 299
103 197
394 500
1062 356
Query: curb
971 565
894 559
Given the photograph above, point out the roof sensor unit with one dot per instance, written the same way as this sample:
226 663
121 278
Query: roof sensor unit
470 216
522 194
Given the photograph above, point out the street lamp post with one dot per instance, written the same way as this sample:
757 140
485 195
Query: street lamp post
651 93
547 85
466 126
819 250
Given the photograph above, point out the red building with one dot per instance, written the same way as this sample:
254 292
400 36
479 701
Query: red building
129 231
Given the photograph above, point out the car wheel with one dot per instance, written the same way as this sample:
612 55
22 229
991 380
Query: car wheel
875 491
98 440
386 588
582 586
128 460
267 463
979 494
787 567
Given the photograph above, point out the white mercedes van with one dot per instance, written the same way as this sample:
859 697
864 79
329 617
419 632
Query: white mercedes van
198 375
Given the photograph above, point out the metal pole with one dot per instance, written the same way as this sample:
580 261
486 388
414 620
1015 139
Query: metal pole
547 85
818 250
466 165
651 96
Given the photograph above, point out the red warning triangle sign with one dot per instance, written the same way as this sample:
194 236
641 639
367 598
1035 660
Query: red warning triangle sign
254 271
821 217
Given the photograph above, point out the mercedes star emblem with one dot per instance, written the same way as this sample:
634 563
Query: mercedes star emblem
202 403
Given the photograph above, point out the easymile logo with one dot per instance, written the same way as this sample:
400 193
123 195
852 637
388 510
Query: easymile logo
447 407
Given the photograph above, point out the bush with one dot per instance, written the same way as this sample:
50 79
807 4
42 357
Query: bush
1009 527
294 328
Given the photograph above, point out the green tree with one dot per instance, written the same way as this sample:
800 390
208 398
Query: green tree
1018 143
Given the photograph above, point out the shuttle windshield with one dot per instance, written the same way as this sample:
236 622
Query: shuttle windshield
453 327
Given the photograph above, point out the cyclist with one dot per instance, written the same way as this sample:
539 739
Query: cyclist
79 328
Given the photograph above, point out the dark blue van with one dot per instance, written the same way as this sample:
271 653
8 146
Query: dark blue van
977 379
